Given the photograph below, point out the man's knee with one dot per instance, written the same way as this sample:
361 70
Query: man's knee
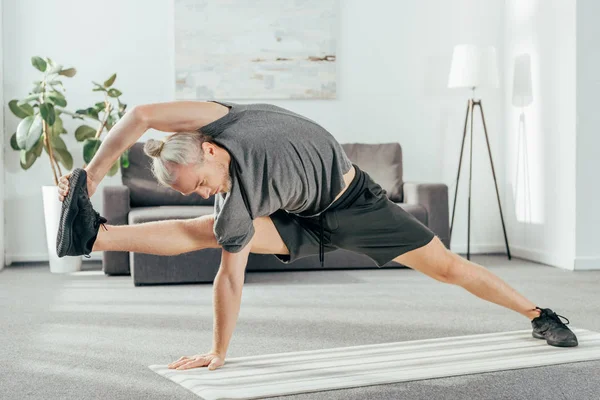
447 267
455 271
434 260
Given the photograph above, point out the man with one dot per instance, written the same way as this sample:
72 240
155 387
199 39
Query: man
283 186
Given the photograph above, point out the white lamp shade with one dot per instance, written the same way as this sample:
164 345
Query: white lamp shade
473 66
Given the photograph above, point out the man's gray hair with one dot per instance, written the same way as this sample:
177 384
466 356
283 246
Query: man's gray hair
181 148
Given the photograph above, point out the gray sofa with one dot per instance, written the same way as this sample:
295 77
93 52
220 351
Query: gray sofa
140 199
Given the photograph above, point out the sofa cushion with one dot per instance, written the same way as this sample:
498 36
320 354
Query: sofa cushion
145 191
140 215
383 162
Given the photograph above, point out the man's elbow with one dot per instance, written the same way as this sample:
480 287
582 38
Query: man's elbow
234 264
140 115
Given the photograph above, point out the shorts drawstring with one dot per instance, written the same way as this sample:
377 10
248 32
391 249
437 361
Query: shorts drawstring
321 246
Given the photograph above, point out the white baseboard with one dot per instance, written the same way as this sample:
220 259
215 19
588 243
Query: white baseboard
43 257
528 254
587 264
541 257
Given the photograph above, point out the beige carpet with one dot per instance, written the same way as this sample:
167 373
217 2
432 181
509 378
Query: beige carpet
310 371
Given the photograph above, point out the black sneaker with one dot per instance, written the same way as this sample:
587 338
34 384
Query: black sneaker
548 326
79 222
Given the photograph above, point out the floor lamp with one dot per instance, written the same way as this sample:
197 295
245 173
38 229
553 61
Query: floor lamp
474 67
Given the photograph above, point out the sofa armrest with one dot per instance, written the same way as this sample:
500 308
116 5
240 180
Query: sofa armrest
116 210
434 197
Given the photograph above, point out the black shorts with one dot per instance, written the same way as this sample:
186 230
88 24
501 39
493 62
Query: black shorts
363 220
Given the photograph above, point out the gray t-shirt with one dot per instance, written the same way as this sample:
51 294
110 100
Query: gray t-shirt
279 160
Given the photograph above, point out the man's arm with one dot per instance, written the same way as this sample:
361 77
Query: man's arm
228 297
168 117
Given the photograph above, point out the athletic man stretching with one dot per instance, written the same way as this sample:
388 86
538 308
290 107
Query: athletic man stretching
283 186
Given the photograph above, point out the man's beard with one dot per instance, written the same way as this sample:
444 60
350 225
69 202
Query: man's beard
225 173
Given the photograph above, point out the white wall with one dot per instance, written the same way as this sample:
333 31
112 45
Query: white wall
2 141
588 138
393 63
541 210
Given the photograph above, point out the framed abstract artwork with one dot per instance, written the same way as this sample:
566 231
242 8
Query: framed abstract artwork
259 49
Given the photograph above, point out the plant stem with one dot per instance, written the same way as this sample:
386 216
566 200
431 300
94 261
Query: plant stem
46 139
107 111
49 148
58 166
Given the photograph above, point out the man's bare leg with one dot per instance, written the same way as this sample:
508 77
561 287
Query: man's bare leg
181 236
436 261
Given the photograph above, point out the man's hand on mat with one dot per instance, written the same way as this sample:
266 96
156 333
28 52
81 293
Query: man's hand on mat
212 360
63 186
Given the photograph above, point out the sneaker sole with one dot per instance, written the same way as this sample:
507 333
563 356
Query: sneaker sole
557 344
67 215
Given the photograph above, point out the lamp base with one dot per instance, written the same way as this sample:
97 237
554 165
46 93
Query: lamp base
470 105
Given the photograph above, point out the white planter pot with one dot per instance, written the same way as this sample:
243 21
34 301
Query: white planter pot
52 207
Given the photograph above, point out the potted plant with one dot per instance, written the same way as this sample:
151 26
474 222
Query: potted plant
40 129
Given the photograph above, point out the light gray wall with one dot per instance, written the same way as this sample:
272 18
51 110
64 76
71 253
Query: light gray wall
588 135
2 142
540 199
393 64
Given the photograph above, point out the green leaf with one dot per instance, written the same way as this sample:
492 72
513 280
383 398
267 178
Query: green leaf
100 89
55 82
70 72
27 159
64 157
17 110
110 81
90 112
61 153
56 93
47 111
90 147
84 132
100 106
28 99
37 89
58 101
55 69
37 149
122 107
58 143
114 92
29 131
114 169
13 142
125 159
111 120
27 108
39 63
57 128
